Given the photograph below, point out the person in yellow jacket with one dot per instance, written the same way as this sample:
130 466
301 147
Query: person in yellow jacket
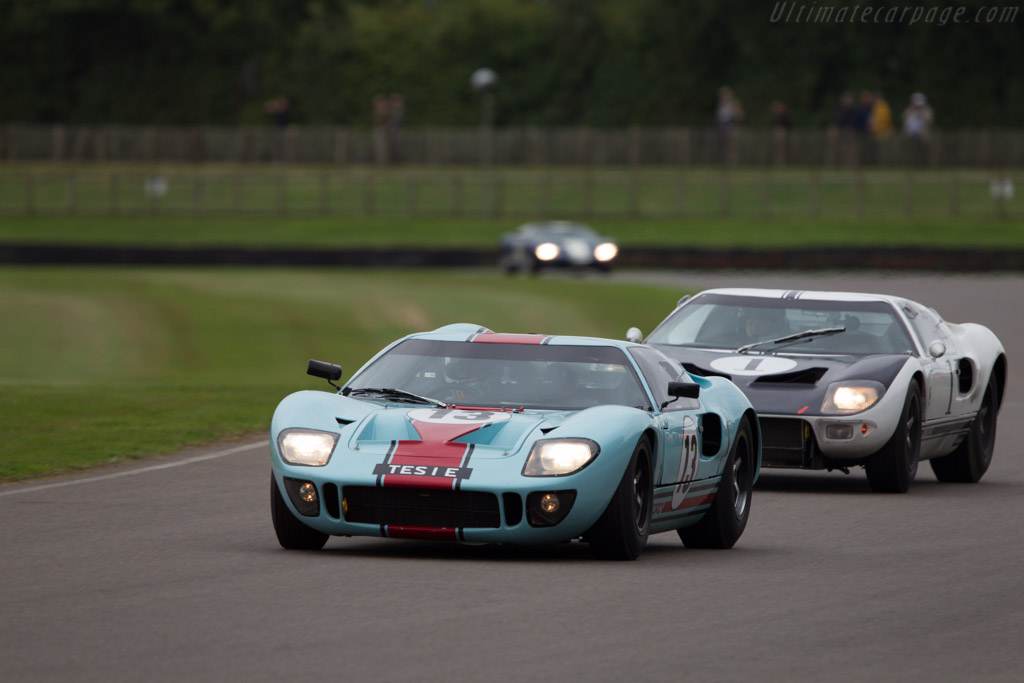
880 123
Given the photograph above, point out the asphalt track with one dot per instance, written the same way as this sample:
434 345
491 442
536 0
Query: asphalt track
169 570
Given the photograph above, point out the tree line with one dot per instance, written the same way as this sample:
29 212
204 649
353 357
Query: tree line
559 62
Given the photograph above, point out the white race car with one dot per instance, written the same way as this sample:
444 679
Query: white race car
841 379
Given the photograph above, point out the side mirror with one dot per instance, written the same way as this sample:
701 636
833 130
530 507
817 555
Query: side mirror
327 371
937 349
634 335
684 389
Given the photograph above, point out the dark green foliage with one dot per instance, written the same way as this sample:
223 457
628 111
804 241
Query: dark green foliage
561 62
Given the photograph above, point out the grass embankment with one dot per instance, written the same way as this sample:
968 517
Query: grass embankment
268 232
99 365
282 205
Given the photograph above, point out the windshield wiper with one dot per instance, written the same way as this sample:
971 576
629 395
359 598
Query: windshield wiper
388 392
806 334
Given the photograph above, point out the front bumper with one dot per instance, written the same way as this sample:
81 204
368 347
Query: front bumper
495 505
818 441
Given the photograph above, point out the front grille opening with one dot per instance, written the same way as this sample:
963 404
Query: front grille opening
331 501
784 442
513 503
422 507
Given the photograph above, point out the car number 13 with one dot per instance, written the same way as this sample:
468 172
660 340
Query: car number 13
450 417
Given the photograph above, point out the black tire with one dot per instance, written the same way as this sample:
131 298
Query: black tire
724 522
291 533
893 468
622 531
970 460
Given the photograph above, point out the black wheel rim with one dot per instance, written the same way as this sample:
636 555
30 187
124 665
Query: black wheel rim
986 431
912 435
740 480
641 493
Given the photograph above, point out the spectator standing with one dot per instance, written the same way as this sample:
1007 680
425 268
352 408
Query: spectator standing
844 133
781 123
728 115
396 116
381 153
279 111
917 124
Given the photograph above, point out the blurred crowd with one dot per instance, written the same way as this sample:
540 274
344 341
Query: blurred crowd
859 129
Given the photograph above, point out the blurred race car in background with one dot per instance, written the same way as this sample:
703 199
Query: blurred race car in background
555 244
841 379
462 434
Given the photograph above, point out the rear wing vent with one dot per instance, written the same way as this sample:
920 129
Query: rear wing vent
805 376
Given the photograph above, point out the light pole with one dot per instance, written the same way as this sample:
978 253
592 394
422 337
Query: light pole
484 81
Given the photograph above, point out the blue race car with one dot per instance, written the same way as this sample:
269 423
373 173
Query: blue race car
466 435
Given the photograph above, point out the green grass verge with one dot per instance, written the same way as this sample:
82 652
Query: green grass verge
267 232
273 206
99 365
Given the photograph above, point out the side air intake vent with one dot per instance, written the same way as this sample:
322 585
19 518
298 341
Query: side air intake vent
805 376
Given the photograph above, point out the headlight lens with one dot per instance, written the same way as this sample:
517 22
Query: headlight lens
844 398
605 251
547 251
308 447
558 457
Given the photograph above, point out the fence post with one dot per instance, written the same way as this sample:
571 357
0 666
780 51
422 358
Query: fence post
816 194
954 193
680 189
58 142
723 193
113 185
368 194
71 193
197 193
858 192
458 210
30 193
282 194
908 194
325 199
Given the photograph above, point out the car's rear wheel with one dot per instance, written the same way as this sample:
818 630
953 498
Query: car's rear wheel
724 522
622 531
892 469
291 533
973 456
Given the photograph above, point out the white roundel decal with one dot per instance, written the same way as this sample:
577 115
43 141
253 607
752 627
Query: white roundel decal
455 417
753 365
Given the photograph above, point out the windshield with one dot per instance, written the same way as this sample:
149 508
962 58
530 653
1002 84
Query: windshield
722 321
506 375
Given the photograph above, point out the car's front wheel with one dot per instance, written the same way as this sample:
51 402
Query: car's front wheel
622 531
892 469
972 457
291 533
724 522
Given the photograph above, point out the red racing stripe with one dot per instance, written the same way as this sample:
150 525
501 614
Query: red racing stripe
432 463
494 338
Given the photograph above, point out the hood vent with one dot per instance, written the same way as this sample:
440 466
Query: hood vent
343 422
804 376
702 372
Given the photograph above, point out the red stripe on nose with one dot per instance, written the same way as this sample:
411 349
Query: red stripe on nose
493 338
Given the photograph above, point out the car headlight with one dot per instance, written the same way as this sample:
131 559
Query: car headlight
843 398
547 251
308 447
605 251
558 457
